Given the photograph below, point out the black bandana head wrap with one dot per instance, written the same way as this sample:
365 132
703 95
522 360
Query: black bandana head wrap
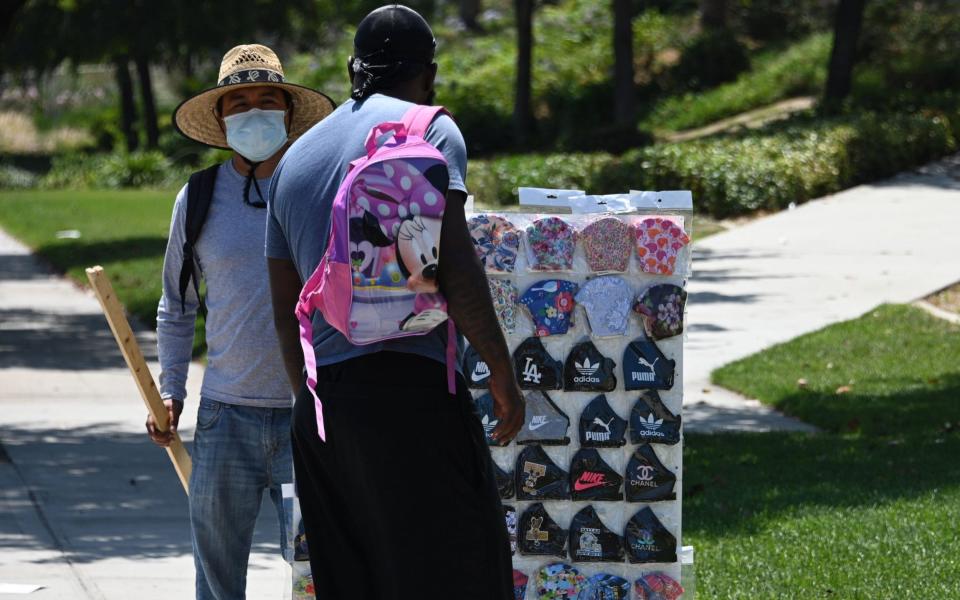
392 45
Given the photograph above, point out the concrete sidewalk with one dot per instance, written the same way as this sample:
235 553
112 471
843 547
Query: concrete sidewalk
800 270
89 508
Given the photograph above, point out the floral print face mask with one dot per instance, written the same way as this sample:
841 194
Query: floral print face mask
659 240
497 242
550 242
661 308
606 243
504 296
550 303
607 302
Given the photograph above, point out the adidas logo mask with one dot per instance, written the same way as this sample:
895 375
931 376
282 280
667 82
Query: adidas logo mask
650 421
586 370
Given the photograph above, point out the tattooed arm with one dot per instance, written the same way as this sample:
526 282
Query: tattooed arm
464 284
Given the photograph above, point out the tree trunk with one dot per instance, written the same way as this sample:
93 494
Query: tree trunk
522 111
128 108
713 14
844 54
469 12
623 87
149 105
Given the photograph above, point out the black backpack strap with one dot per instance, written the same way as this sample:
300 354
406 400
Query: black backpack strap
199 198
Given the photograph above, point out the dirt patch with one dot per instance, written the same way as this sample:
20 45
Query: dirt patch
947 298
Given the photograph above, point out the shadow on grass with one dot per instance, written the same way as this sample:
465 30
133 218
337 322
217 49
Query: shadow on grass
741 483
71 254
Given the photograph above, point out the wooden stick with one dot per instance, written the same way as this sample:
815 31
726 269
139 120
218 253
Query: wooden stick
113 310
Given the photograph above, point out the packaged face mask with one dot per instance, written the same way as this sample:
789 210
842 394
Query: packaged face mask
550 303
510 516
607 302
487 417
657 586
544 422
659 241
504 482
591 541
504 296
645 367
600 427
519 585
535 368
661 308
539 478
559 581
550 244
650 421
497 242
604 586
586 370
607 244
648 541
538 534
592 479
475 370
648 480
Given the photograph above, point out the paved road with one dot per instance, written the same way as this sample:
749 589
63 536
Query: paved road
797 271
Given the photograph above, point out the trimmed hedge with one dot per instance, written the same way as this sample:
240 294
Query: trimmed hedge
764 169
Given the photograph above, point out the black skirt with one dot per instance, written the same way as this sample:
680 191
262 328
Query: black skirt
400 501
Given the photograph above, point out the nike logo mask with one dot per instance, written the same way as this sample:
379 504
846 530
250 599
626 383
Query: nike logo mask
600 427
545 423
651 422
535 368
645 367
647 479
648 541
475 370
539 478
538 534
593 479
586 370
591 540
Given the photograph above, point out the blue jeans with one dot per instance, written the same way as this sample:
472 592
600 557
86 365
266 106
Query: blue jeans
238 452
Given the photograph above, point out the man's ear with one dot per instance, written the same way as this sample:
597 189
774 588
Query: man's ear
350 69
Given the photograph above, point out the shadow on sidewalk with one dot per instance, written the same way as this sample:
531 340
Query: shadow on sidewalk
105 493
48 340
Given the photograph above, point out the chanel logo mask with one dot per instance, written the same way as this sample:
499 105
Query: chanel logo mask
648 541
647 480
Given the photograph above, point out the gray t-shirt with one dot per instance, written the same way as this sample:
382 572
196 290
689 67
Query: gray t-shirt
302 193
244 365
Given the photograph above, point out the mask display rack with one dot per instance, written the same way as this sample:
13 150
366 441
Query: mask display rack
619 513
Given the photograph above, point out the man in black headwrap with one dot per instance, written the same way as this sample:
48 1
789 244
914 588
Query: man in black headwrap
400 501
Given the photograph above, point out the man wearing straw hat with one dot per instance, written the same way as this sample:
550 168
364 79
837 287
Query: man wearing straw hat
242 443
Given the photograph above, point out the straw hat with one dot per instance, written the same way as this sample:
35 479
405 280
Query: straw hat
247 66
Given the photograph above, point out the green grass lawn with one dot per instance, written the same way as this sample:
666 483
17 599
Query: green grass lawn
867 509
124 231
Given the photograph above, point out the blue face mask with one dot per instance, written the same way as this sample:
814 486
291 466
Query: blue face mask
256 134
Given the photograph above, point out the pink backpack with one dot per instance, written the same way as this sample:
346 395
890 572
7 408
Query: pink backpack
378 277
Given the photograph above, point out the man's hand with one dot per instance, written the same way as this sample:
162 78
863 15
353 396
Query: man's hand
163 438
507 406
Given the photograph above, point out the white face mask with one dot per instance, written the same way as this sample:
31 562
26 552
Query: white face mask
256 134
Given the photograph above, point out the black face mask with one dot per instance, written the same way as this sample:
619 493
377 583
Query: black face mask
645 367
504 482
488 419
586 370
591 541
475 370
650 421
600 427
538 534
539 478
535 368
545 423
647 479
510 517
592 479
648 541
